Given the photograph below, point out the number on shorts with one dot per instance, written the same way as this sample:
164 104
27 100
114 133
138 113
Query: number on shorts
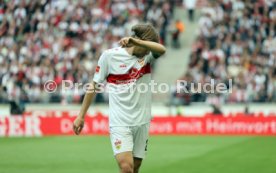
146 148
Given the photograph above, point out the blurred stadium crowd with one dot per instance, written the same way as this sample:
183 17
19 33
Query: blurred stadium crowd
62 40
237 40
57 40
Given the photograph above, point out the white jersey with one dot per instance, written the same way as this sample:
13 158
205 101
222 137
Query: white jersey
127 79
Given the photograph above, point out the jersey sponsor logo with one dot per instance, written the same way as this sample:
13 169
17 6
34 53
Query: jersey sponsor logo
133 72
97 69
122 66
118 144
132 75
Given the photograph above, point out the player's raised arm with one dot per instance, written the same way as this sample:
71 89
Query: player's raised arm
156 48
146 36
89 96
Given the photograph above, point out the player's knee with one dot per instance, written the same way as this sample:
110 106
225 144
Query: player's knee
126 167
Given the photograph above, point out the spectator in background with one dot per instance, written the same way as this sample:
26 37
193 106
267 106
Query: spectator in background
62 40
216 110
190 6
3 95
247 111
178 29
237 41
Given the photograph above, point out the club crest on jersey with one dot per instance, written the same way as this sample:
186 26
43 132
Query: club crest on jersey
118 144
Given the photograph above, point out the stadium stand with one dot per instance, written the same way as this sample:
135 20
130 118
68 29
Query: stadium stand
62 40
236 40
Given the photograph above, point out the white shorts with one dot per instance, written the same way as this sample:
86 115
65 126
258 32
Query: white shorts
131 138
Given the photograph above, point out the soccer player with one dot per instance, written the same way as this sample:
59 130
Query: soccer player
124 69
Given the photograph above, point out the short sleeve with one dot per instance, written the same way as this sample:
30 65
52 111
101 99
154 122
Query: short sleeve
101 71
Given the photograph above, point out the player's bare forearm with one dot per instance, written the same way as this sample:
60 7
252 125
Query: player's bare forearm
89 96
155 48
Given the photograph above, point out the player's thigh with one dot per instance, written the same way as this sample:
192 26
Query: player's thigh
140 140
121 139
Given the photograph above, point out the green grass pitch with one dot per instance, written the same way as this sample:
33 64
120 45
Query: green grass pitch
166 154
